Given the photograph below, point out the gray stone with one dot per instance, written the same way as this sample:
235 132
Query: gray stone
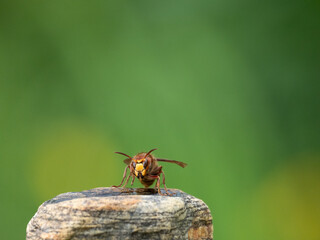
121 213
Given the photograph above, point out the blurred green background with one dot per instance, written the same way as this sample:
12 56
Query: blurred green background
230 87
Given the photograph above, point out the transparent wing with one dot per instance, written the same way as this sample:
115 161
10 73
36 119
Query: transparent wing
181 164
127 161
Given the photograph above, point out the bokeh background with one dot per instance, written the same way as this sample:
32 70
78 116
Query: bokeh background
230 87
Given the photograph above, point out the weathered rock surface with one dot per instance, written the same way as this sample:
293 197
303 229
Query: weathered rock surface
112 213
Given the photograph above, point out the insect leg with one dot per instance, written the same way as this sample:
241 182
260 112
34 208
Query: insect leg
127 180
164 183
158 185
133 178
124 176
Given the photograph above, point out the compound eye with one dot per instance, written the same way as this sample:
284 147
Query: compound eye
145 163
133 164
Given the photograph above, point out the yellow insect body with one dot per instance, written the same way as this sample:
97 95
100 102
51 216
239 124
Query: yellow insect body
139 167
145 167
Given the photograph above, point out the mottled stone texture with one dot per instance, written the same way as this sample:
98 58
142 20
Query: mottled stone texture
112 213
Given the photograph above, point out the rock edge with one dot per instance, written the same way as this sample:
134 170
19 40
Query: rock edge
121 213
